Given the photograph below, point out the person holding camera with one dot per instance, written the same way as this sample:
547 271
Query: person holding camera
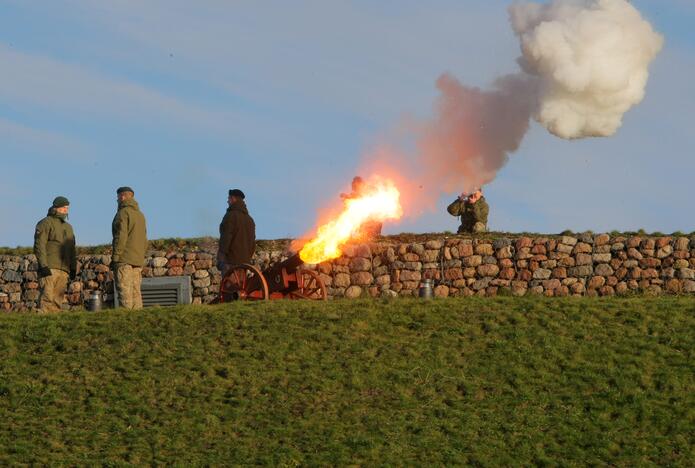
473 210
54 247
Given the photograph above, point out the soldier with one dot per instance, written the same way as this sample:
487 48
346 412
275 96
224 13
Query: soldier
370 228
54 247
472 209
237 233
129 247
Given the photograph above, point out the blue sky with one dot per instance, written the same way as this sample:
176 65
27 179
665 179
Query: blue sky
184 100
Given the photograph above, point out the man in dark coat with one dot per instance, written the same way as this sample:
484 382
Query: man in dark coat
54 247
237 233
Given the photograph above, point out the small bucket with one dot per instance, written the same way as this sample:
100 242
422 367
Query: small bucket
94 302
426 289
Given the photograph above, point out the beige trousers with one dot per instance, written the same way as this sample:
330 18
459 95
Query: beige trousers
128 279
53 291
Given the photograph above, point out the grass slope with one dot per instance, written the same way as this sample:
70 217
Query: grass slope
480 381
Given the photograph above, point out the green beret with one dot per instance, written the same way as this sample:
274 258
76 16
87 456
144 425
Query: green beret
60 202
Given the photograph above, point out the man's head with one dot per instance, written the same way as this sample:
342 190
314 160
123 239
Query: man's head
124 193
61 205
472 197
235 195
475 195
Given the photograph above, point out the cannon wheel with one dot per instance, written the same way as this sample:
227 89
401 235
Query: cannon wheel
309 286
243 282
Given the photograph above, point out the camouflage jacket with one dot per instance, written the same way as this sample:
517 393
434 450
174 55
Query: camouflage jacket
470 213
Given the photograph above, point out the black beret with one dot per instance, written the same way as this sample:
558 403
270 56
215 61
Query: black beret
237 193
125 189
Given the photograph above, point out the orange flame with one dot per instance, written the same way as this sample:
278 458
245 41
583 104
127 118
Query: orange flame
380 201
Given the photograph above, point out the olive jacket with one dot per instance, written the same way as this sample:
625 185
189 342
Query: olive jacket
54 243
129 231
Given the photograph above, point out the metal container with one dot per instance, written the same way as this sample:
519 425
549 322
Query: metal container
426 289
94 302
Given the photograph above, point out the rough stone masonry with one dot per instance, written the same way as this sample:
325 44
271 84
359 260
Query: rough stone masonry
586 265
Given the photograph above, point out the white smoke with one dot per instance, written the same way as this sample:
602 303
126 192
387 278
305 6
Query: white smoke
584 64
591 58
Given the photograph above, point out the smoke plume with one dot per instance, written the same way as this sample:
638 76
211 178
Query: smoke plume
584 63
474 131
591 59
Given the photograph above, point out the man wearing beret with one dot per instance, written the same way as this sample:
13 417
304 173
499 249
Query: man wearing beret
129 247
54 247
237 233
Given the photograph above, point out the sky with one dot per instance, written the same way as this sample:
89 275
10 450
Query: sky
184 100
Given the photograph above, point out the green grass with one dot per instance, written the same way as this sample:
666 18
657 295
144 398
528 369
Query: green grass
501 381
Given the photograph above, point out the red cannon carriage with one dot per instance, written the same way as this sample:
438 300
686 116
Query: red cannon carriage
282 280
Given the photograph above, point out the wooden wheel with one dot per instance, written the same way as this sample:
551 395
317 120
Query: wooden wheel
309 286
243 282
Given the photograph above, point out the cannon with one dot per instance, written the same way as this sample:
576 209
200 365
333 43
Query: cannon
281 280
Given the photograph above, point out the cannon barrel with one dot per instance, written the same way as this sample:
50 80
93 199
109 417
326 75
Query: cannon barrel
292 263
280 274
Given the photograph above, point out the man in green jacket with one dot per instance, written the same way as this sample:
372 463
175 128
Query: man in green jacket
54 247
237 233
129 247
473 210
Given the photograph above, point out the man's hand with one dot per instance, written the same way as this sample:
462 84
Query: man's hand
44 271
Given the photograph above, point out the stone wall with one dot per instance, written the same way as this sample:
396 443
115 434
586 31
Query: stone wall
553 266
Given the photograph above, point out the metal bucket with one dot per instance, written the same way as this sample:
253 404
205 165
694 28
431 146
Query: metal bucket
426 289
94 301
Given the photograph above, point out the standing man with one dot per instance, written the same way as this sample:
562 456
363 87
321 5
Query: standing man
129 248
54 247
473 210
237 233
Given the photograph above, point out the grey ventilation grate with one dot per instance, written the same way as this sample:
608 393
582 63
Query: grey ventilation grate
165 291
